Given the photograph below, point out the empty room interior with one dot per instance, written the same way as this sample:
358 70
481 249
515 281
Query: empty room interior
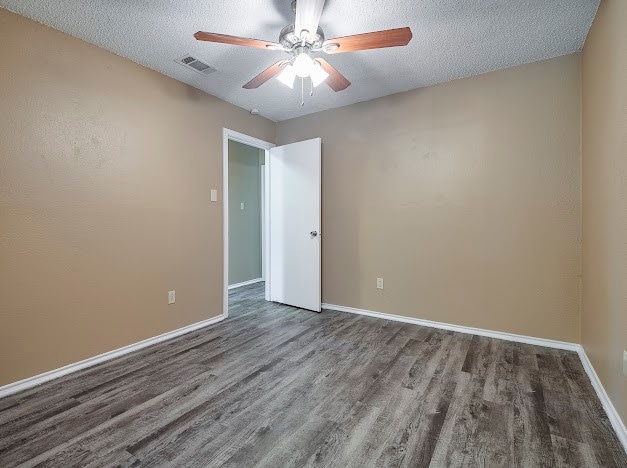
313 233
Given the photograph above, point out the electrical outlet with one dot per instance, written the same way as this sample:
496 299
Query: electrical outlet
171 297
625 362
379 283
241 206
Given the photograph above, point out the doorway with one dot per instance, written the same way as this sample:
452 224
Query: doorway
245 213
280 187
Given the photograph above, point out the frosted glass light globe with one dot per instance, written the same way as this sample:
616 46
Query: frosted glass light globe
303 65
287 76
318 75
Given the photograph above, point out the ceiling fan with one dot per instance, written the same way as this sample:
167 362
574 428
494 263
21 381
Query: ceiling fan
303 39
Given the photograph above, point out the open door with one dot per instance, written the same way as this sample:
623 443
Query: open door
294 224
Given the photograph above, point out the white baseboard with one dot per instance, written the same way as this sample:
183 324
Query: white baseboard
459 328
92 361
608 406
245 283
612 414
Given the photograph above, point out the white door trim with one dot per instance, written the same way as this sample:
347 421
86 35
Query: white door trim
228 134
262 177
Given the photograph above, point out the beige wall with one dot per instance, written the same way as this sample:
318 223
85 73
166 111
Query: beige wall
245 163
464 197
604 138
105 172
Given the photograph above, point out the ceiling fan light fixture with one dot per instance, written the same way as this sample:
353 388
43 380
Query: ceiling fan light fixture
318 75
287 76
305 37
303 65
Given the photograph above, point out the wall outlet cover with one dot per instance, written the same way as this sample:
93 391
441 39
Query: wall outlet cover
214 195
625 362
171 297
379 283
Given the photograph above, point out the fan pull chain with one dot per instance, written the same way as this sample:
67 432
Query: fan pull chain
302 92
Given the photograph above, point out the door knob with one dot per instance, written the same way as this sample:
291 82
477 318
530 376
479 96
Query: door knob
313 233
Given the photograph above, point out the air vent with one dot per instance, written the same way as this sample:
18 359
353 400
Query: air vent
195 64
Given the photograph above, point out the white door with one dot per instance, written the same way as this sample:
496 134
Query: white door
294 189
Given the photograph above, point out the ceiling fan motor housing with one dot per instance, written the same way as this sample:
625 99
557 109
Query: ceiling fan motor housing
290 40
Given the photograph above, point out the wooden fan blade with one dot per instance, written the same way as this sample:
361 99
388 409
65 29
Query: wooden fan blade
265 75
235 40
335 80
372 40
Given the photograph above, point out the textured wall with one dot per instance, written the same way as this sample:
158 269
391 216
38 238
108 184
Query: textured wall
105 172
464 197
604 138
244 225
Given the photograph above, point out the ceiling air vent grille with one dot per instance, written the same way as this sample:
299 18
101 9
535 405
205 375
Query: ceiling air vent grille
195 64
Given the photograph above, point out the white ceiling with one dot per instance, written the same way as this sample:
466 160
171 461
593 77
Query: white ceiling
452 39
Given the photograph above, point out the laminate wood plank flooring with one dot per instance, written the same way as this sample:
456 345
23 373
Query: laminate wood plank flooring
276 386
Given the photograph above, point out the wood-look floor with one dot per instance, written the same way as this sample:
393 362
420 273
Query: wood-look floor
276 386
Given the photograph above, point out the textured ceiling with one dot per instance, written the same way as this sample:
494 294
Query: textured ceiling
452 39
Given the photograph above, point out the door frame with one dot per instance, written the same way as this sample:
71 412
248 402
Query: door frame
228 134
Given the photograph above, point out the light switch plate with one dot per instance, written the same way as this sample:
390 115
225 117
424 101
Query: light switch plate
379 283
171 297
241 206
625 362
214 195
